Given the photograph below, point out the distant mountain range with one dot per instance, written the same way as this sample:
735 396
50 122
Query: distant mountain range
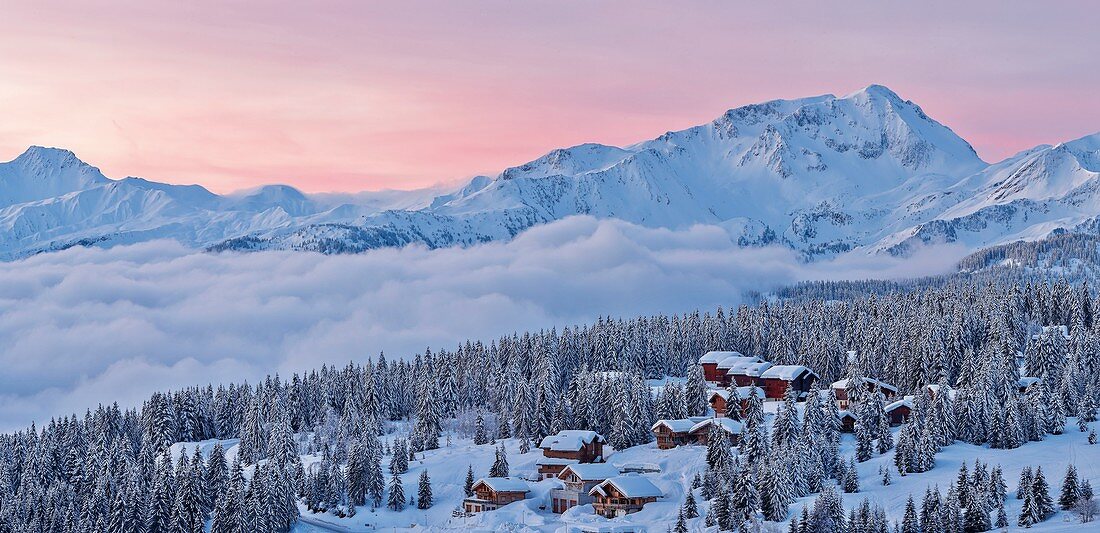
824 175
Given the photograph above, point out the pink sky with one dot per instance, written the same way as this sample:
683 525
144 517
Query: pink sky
366 95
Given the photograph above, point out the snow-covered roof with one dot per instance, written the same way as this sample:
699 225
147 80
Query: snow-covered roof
591 471
738 360
569 440
846 414
730 425
843 384
682 425
717 356
743 393
630 486
786 372
504 484
749 368
1028 381
905 402
640 467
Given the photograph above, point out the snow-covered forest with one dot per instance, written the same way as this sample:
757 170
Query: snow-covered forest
334 441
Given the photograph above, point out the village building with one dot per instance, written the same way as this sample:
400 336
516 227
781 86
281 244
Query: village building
622 495
898 412
709 362
570 446
1027 382
847 422
700 432
577 481
746 373
720 400
727 369
492 493
776 379
842 388
673 433
693 431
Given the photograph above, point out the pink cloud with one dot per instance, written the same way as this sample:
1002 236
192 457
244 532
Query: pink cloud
361 95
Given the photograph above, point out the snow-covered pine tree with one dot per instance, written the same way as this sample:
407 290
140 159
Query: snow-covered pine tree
396 498
1070 489
424 491
500 465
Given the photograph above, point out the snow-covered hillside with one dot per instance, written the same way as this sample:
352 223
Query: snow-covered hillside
823 175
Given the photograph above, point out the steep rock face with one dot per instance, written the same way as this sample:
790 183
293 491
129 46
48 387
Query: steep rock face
868 172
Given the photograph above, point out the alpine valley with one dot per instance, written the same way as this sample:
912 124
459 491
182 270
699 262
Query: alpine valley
868 172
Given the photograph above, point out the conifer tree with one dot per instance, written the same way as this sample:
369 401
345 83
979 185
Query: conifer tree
1070 490
500 465
396 499
468 486
424 491
691 510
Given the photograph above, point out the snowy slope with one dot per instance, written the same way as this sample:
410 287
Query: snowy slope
867 171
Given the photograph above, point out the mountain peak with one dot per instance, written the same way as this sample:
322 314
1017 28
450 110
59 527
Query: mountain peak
875 91
47 156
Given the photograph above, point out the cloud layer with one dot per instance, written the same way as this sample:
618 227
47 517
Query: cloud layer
86 326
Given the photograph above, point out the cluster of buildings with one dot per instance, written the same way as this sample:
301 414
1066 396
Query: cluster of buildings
574 457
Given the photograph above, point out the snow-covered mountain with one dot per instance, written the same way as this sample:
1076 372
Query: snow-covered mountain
867 171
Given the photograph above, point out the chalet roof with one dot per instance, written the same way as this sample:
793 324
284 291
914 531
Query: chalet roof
786 372
738 360
570 440
503 484
629 485
717 356
843 384
591 471
749 368
847 414
1028 381
681 425
730 425
904 402
743 393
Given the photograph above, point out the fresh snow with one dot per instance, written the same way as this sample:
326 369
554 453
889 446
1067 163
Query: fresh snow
868 171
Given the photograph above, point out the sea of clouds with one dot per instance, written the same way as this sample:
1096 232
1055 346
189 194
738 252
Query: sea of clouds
88 325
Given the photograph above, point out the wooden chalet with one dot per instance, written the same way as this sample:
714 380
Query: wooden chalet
898 412
570 446
776 379
869 386
1027 382
492 493
720 400
746 373
847 422
577 481
673 433
700 432
709 361
622 495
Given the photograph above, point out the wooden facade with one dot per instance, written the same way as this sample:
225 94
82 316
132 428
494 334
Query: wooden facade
673 433
488 498
569 447
776 379
610 500
577 481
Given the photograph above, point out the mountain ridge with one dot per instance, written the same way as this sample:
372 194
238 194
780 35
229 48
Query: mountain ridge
868 171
